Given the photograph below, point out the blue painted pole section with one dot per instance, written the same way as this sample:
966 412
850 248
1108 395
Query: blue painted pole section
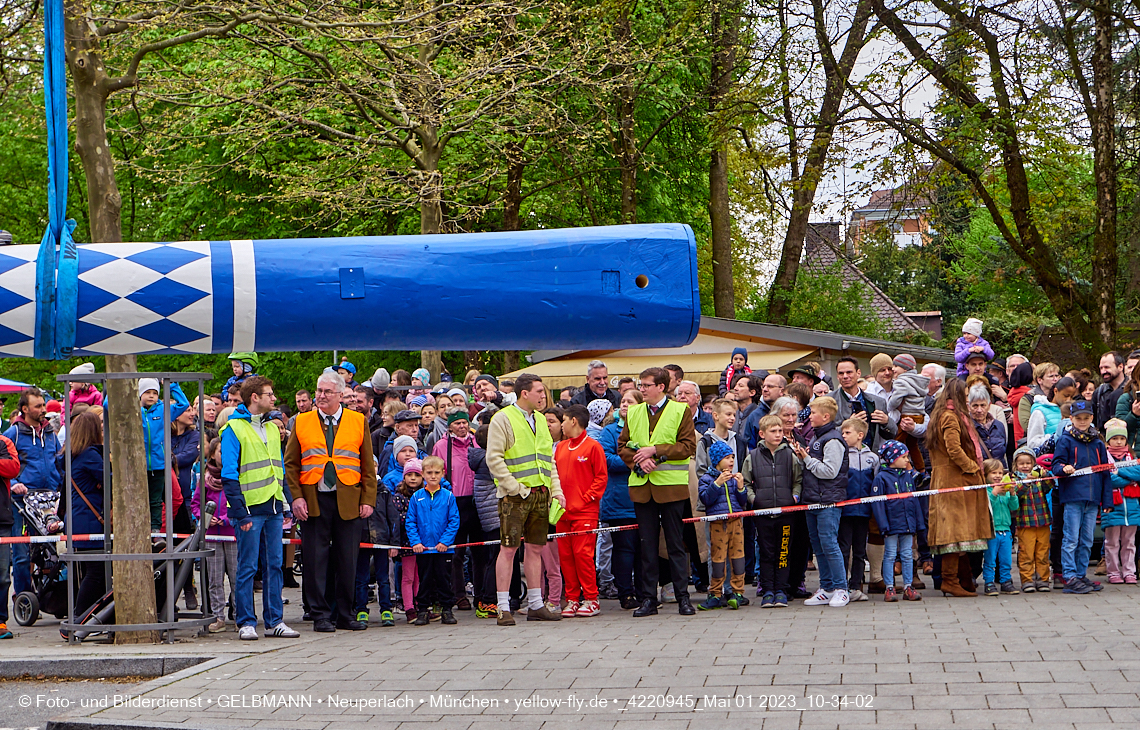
579 288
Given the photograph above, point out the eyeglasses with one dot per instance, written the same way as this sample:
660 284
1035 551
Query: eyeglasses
327 391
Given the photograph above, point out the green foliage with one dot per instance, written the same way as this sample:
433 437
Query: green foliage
822 301
909 275
990 273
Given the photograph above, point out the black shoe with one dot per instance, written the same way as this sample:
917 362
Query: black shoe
648 608
323 626
290 582
629 602
448 617
306 616
800 592
351 625
685 606
257 586
608 592
422 618
701 587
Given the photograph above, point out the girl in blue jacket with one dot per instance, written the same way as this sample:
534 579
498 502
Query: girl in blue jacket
898 519
1120 524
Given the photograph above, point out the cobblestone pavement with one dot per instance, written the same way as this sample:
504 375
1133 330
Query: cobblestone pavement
1053 660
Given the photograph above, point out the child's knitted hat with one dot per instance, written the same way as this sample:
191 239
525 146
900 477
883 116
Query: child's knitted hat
1115 427
718 451
413 466
973 326
905 361
891 450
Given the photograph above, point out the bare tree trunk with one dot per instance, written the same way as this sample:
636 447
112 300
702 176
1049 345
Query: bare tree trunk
837 73
512 198
1102 312
725 35
133 580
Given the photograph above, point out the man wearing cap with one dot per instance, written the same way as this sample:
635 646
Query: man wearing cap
657 443
407 423
258 503
331 473
805 374
597 379
154 437
975 365
452 448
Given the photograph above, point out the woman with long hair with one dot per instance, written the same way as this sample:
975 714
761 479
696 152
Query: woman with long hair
959 521
88 515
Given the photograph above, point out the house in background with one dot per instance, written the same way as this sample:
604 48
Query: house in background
823 252
905 210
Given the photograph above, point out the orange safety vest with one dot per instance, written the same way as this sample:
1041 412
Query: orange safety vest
350 434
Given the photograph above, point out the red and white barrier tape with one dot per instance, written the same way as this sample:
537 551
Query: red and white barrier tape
618 528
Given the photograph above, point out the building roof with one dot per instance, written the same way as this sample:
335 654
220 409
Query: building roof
900 198
770 347
823 250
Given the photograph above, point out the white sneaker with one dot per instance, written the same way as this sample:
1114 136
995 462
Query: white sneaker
247 633
587 609
840 598
667 594
282 631
821 598
857 596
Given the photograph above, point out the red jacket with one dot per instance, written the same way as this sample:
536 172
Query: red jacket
582 472
9 470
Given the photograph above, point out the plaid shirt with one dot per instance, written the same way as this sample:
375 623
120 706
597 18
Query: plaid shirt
1033 501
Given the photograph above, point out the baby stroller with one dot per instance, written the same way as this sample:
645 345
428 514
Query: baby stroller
102 612
49 573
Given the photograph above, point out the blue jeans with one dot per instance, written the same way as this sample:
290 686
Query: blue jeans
364 573
5 580
1077 538
999 553
264 535
21 559
900 547
823 529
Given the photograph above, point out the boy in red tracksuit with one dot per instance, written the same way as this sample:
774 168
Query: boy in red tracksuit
581 465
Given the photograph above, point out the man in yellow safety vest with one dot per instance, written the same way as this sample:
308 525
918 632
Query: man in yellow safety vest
520 456
656 443
258 502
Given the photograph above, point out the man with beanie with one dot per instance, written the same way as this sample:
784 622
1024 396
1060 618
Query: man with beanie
854 402
453 450
489 400
882 375
597 379
257 506
154 436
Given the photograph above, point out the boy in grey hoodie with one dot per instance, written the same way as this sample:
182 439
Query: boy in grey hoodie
908 397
